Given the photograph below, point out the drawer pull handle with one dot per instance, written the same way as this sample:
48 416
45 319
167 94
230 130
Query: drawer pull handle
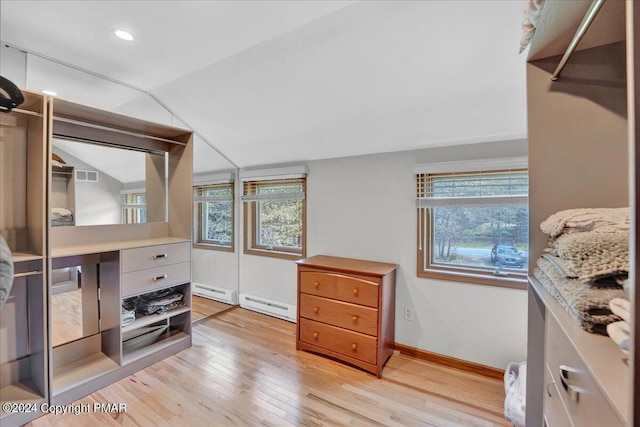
316 335
316 309
354 346
355 291
566 373
355 318
160 256
164 276
548 387
316 284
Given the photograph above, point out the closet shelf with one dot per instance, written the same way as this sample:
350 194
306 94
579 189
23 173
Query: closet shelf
25 256
22 392
81 371
138 350
153 318
604 360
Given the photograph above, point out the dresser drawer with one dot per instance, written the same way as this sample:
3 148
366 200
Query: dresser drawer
585 404
339 286
138 282
154 256
555 414
352 344
337 313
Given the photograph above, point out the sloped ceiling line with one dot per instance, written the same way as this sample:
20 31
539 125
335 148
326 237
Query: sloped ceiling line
130 86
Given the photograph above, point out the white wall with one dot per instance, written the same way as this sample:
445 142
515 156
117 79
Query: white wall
364 207
96 202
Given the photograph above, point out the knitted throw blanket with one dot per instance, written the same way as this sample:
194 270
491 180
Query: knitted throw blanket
602 220
593 255
586 304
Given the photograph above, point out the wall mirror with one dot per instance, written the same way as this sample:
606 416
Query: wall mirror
214 272
74 304
93 184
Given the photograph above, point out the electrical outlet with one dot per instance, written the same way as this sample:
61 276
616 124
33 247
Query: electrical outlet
408 313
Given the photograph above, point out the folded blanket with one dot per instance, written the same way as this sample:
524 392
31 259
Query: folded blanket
593 255
621 307
60 212
601 220
620 333
588 305
563 268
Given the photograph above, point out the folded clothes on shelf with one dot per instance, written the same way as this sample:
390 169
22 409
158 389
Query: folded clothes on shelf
128 317
158 302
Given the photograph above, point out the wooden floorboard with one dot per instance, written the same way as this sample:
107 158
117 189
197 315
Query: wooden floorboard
201 308
244 370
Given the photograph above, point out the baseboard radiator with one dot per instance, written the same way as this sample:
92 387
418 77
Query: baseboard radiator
266 306
227 296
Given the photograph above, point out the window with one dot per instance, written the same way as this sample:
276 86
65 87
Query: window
134 208
274 212
213 215
473 225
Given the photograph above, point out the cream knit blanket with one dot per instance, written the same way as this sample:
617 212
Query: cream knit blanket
594 255
602 220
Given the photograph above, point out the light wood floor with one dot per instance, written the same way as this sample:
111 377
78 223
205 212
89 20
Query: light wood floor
202 308
244 370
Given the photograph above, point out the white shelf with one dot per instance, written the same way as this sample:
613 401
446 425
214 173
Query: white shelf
81 371
153 318
604 360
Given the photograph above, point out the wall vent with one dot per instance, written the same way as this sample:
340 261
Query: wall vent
87 176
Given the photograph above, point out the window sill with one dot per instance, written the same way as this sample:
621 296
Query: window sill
518 281
274 254
212 247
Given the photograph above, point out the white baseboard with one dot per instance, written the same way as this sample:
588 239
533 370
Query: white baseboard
228 296
270 307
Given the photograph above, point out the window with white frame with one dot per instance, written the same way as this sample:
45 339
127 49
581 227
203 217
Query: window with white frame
473 221
134 207
214 216
274 216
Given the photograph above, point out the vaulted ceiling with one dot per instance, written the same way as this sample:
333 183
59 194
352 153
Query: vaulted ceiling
269 82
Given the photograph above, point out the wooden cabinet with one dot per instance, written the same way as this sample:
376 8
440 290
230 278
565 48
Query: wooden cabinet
346 310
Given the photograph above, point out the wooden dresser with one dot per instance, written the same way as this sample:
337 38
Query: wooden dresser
346 310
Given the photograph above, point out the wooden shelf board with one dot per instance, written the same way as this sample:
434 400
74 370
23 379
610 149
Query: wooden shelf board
165 340
603 359
25 256
113 246
153 318
81 371
22 392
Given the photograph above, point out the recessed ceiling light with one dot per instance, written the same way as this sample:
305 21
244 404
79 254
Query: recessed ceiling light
123 35
49 92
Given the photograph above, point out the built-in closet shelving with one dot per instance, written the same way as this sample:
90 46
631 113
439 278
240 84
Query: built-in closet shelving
581 154
116 261
23 340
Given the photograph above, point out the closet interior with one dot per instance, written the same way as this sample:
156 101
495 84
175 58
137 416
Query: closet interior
581 130
64 331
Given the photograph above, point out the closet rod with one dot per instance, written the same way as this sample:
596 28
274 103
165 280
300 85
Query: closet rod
124 132
27 273
582 29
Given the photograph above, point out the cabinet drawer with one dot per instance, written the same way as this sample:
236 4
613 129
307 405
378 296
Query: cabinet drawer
154 256
342 314
352 344
585 404
339 286
142 281
555 414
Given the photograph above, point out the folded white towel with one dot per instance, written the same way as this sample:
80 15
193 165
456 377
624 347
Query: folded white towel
620 332
621 307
